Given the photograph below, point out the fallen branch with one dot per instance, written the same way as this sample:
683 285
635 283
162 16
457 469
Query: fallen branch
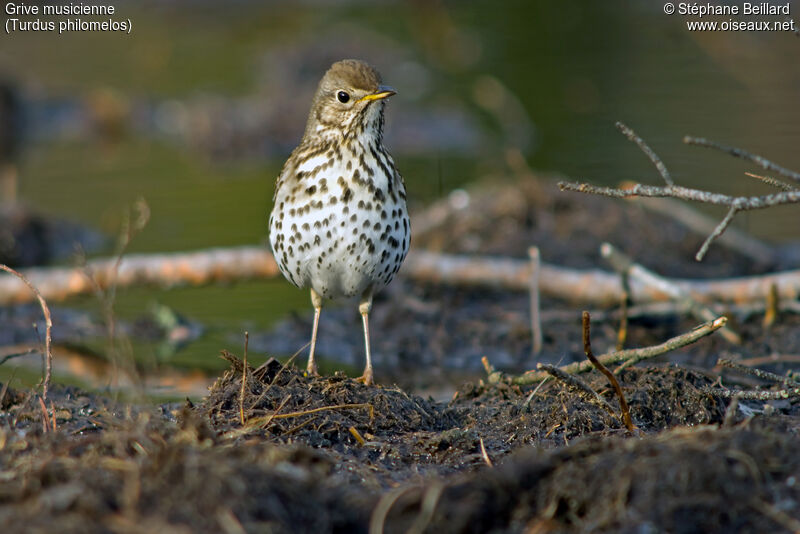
629 355
48 326
225 265
166 270
634 271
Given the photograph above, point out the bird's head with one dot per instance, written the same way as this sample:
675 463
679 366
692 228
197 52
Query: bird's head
349 101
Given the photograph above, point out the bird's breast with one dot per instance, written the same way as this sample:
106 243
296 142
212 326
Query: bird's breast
340 223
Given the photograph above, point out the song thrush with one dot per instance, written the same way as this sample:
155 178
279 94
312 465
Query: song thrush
339 224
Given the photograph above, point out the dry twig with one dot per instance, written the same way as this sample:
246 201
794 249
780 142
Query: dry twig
587 349
660 167
735 204
629 355
536 322
622 333
355 433
48 326
752 394
772 307
485 455
244 378
769 180
758 373
761 161
575 382
702 224
627 267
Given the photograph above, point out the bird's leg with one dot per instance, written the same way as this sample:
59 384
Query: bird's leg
364 307
316 301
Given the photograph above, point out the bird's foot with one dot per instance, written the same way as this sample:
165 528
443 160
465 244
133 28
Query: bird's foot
311 370
366 378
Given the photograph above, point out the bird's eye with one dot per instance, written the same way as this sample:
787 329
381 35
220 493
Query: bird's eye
342 97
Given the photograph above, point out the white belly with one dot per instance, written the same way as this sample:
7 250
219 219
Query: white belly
341 238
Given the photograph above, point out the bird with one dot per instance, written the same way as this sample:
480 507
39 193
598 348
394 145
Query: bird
339 225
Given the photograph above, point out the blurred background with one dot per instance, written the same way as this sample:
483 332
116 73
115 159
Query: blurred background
197 109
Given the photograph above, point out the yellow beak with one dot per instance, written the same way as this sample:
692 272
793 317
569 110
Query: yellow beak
384 91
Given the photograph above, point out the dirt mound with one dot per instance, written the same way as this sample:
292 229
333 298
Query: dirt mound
282 402
685 480
562 460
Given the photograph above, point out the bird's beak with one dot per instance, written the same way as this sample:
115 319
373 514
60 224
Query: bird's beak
384 91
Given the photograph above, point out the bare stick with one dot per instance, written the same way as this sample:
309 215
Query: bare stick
625 265
736 204
687 193
730 412
753 394
630 134
721 227
536 322
636 355
48 326
772 307
762 162
702 224
575 382
266 420
244 378
774 182
587 349
485 454
758 373
354 432
622 333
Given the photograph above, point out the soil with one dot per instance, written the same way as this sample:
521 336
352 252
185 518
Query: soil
295 453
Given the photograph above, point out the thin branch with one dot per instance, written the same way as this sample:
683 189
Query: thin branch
7 357
771 307
686 193
622 333
485 455
587 349
627 267
730 412
48 327
702 224
575 382
536 322
762 162
721 227
752 394
244 378
758 373
662 169
774 182
633 355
